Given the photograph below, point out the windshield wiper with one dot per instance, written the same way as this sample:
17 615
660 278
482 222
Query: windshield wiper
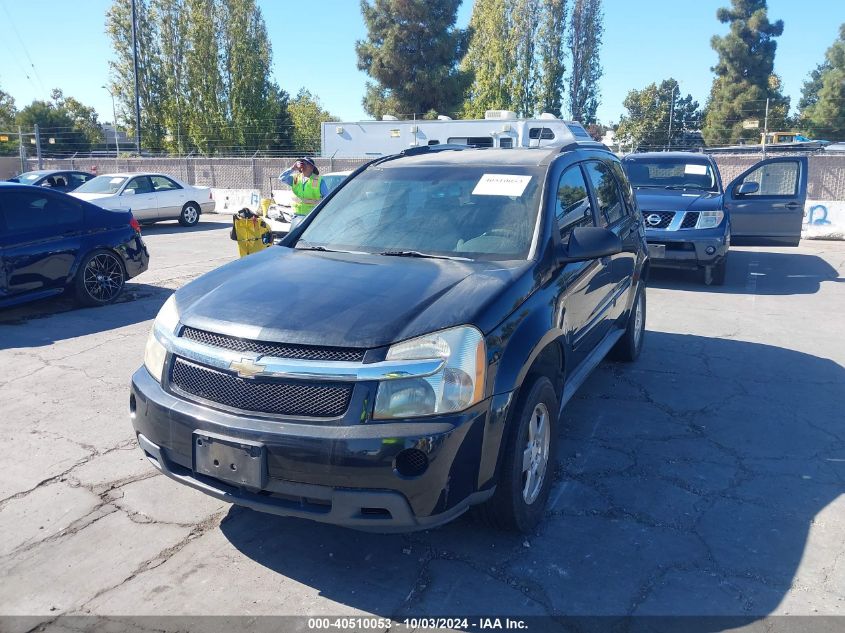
302 245
684 187
420 254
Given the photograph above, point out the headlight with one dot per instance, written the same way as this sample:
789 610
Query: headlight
457 386
155 353
709 219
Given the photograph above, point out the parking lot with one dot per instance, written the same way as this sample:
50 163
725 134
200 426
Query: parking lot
705 479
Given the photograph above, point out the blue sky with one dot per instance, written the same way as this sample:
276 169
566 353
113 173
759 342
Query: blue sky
644 41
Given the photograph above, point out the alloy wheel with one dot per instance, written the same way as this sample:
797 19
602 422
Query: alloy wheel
103 277
535 455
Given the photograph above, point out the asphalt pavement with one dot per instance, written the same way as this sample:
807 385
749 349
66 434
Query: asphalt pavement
706 479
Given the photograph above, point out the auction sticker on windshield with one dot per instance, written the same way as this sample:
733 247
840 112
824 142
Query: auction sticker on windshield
501 185
692 168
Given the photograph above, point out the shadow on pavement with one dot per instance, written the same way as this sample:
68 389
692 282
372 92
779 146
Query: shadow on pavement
756 272
21 326
687 484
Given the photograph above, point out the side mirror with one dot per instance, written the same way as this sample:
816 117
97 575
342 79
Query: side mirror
747 187
589 242
128 192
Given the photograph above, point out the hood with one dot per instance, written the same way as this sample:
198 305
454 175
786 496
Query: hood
676 200
91 196
341 299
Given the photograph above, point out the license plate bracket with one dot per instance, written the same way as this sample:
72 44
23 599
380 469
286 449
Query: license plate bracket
241 463
657 251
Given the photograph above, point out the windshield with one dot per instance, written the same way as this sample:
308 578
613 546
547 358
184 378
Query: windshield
453 211
671 173
29 177
102 184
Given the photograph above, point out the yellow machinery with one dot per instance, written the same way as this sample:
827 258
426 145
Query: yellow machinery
251 232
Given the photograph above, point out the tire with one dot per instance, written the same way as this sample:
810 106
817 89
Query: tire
100 278
516 505
628 348
717 273
190 214
720 271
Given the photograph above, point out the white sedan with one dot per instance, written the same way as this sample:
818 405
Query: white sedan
150 197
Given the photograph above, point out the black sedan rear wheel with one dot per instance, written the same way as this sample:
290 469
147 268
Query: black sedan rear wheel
100 278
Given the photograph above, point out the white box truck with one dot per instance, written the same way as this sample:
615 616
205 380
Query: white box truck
498 128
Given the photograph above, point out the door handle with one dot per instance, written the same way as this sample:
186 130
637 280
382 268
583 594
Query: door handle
792 205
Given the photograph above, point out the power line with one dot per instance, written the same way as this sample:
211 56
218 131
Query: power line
23 46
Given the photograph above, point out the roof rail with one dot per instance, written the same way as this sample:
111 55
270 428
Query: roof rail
586 144
424 149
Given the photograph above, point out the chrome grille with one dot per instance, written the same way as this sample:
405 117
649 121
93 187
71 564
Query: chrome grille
664 219
326 400
280 350
690 220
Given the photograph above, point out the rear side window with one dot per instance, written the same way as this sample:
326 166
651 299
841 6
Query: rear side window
607 193
25 211
162 183
572 203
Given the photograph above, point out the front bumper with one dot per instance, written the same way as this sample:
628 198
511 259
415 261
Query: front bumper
340 471
690 248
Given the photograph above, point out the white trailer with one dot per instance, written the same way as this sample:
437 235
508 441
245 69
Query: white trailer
498 128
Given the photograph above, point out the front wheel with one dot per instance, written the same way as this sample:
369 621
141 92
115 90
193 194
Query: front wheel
527 469
190 214
628 348
100 278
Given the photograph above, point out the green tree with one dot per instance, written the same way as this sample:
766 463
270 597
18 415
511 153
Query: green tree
206 116
83 117
584 42
151 89
551 54
489 59
172 25
823 114
8 111
525 73
306 114
744 74
250 92
54 122
810 89
646 124
412 51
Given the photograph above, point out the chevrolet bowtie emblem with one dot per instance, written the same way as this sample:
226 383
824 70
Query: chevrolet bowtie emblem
247 368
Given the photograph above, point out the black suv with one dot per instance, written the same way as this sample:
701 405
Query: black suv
690 221
407 351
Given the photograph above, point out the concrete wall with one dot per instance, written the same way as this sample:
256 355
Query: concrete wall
827 172
219 173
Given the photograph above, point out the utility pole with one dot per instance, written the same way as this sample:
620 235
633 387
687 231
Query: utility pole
38 147
21 149
135 68
671 114
765 128
114 124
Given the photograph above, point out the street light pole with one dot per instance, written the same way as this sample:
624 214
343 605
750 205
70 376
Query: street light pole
114 124
135 68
